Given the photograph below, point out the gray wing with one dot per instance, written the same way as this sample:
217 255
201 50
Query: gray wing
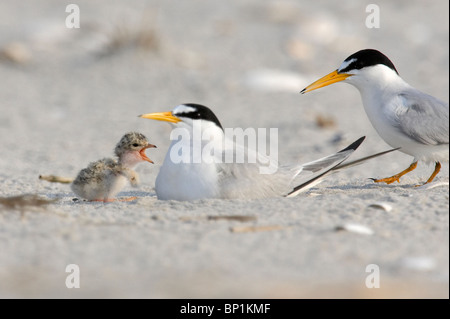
246 181
424 119
256 178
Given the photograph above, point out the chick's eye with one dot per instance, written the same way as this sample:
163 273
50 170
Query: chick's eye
135 144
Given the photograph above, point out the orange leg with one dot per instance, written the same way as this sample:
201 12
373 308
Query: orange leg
396 177
437 168
127 199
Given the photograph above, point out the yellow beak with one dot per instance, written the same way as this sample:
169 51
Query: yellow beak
161 116
328 79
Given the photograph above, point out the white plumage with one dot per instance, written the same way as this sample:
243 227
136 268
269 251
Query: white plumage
185 175
404 117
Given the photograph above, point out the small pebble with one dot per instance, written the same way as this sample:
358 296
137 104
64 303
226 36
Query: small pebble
355 228
418 263
15 52
383 206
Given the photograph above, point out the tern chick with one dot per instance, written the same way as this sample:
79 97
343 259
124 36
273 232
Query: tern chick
103 179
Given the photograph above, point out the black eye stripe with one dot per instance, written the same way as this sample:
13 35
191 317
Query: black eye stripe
192 115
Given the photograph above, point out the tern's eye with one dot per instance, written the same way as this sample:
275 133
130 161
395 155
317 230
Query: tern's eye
135 145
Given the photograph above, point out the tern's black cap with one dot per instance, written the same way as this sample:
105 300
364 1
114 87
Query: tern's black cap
366 58
200 112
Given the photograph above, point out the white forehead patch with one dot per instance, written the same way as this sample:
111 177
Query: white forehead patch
183 109
346 64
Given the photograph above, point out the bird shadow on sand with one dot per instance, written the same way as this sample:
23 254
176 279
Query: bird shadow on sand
138 194
71 199
130 197
372 186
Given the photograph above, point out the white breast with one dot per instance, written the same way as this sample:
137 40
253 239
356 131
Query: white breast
181 179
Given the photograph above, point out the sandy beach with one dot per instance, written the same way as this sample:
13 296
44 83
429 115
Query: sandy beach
69 94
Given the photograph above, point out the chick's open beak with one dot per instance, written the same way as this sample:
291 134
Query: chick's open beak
328 79
143 155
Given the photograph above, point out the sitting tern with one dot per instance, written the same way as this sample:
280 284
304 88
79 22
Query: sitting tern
182 178
406 118
103 179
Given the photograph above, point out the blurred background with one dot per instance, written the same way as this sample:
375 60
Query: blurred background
68 95
71 92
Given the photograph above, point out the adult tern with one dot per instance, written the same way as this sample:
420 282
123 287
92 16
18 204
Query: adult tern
184 177
406 118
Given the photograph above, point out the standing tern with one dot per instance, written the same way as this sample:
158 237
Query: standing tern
414 122
103 179
183 178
